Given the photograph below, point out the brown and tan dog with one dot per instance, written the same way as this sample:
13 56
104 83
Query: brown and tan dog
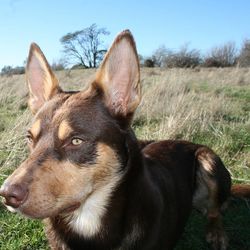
90 180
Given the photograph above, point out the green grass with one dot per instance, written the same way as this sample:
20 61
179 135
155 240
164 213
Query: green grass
236 223
206 107
18 233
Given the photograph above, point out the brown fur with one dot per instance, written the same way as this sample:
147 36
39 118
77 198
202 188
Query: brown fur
241 190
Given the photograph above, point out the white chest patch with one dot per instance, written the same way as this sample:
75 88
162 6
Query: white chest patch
86 220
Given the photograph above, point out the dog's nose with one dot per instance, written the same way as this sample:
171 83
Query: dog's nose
14 194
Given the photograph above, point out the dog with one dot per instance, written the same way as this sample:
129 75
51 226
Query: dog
93 183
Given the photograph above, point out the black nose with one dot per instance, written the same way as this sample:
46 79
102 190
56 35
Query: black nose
14 194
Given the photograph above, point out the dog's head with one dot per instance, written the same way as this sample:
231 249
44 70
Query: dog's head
77 139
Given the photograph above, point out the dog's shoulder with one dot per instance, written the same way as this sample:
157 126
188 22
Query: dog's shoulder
168 150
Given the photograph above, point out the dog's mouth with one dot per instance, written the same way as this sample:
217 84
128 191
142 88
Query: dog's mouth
4 203
71 208
11 209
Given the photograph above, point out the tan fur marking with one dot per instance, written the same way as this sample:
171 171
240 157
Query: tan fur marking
105 177
106 163
64 130
36 128
207 162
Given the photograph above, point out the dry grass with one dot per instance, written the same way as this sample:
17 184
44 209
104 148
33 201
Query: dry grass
176 103
207 106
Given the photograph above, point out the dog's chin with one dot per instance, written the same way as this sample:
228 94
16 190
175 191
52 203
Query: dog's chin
45 214
26 213
17 210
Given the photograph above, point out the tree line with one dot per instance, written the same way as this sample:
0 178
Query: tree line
225 55
85 49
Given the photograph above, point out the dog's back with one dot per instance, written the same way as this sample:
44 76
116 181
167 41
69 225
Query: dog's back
194 175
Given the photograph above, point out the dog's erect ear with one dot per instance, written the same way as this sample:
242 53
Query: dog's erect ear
42 83
119 76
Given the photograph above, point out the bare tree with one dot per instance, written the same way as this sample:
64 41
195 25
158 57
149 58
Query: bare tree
60 64
183 58
244 57
85 46
9 70
159 56
221 56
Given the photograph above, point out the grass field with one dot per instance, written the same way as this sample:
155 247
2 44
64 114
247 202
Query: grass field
208 106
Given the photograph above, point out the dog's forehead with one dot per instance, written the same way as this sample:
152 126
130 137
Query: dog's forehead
62 110
76 105
50 107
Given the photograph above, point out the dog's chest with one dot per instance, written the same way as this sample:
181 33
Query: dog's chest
87 221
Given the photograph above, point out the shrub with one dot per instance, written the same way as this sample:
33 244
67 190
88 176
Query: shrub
244 57
159 56
9 70
184 58
221 56
149 63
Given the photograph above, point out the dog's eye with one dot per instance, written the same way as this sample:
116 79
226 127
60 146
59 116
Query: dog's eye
76 141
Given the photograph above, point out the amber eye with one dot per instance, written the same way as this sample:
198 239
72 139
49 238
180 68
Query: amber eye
76 141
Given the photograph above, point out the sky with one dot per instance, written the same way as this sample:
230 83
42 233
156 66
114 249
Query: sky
202 24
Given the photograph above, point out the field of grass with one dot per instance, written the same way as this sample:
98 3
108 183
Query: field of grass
207 106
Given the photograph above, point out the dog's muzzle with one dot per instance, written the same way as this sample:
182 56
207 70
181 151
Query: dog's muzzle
14 194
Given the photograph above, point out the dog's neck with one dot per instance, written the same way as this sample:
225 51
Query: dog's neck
86 221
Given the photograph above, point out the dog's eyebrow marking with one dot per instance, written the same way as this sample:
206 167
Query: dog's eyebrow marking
36 128
64 130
